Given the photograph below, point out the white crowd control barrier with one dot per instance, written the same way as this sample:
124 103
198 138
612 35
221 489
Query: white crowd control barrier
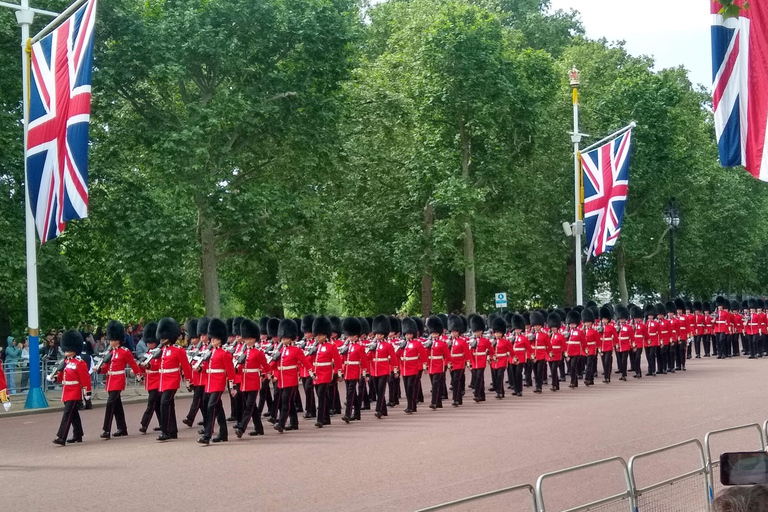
713 464
517 498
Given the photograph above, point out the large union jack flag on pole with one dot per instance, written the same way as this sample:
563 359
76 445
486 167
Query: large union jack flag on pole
606 181
740 86
59 115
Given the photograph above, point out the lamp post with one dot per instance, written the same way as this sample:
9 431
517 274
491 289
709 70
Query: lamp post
672 218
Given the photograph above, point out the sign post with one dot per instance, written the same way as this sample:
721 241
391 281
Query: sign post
501 300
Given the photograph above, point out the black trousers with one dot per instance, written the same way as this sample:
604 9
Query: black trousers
697 344
167 402
735 344
517 377
309 393
437 388
215 409
707 339
682 351
607 360
650 357
324 397
457 385
153 407
364 396
662 352
197 404
70 416
444 386
621 360
336 403
411 391
575 361
721 345
353 398
394 388
553 366
478 376
540 369
498 380
590 369
373 394
381 394
511 375
528 372
251 412
265 397
114 410
288 406
236 404
754 345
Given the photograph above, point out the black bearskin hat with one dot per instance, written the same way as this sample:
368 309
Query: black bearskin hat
191 328
306 323
381 325
734 305
499 325
168 329
228 323
706 307
115 331
71 341
726 305
573 317
760 303
697 305
689 305
605 312
434 325
553 321
464 323
455 324
150 333
537 318
202 326
670 306
443 318
526 317
587 315
286 328
679 304
591 304
720 300
335 324
273 325
321 325
661 309
236 323
476 323
561 313
350 326
394 324
263 324
217 329
518 322
745 304
365 327
419 324
636 312
622 313
249 329
409 326
650 310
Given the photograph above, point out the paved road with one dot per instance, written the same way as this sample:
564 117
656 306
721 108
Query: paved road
400 463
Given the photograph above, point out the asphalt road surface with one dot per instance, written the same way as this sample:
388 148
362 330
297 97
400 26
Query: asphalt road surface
399 463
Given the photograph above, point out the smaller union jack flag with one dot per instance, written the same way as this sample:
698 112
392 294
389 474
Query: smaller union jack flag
606 181
59 115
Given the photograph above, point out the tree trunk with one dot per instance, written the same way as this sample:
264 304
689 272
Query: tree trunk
569 294
210 265
622 271
426 278
470 305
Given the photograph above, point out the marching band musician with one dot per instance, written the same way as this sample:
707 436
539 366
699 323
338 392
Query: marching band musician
481 349
74 380
219 373
460 355
151 379
556 347
383 359
521 353
326 361
575 346
413 357
354 367
608 337
251 365
439 356
502 357
173 362
197 331
119 358
286 358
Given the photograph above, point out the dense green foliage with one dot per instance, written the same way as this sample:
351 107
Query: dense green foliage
287 156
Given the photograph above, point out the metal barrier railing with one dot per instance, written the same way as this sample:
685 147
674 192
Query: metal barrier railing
682 487
485 495
713 466
621 501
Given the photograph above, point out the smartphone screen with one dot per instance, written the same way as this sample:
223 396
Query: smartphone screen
744 468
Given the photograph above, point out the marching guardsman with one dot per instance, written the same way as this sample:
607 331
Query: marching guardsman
762 324
383 361
699 327
591 346
219 375
639 335
691 319
575 346
394 377
652 333
736 324
722 320
151 378
173 362
556 347
286 358
235 348
671 330
75 381
251 365
439 357
521 353
119 358
460 356
366 383
197 331
608 337
681 327
335 338
354 368
273 397
414 358
326 361
480 349
503 355
624 337
663 351
709 329
540 349
306 343
751 329
530 363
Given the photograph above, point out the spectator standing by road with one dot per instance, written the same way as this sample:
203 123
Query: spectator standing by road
12 356
24 365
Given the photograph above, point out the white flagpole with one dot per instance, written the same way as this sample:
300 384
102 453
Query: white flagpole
577 222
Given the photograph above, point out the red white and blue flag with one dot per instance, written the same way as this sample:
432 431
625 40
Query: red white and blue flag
59 115
606 181
740 86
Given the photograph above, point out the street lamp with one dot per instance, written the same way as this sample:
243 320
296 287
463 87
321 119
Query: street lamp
672 218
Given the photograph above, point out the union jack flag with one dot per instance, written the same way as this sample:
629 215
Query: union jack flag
740 86
606 180
59 114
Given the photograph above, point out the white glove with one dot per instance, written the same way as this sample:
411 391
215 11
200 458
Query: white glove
7 406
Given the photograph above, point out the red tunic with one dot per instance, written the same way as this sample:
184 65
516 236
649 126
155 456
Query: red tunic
503 354
541 346
479 354
414 356
74 380
653 332
152 375
521 349
593 339
639 335
355 361
252 369
556 346
460 353
608 338
173 361
286 367
439 357
576 343
115 369
383 359
722 319
220 370
625 335
326 360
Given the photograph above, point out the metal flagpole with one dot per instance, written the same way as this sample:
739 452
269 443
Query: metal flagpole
577 223
610 137
25 15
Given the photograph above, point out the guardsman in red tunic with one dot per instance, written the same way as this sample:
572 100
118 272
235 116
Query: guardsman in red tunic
591 346
709 329
197 332
74 379
413 357
652 336
521 353
383 359
114 366
354 367
638 340
556 347
460 355
762 324
285 362
624 338
173 361
750 328
480 349
236 402
251 365
722 319
306 343
608 341
502 356
218 375
540 352
663 327
736 325
575 342
439 356
151 366
326 362
699 327
681 326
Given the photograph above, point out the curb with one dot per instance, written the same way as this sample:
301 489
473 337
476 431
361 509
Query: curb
55 405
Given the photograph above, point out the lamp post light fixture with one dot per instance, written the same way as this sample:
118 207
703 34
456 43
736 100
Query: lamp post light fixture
672 218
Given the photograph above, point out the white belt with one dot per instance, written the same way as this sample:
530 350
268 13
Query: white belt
573 343
150 371
380 359
329 363
116 373
169 370
720 322
71 382
215 370
251 370
353 362
436 357
591 343
505 354
410 358
282 368
478 353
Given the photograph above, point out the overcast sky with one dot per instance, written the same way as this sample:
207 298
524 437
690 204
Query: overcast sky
679 37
